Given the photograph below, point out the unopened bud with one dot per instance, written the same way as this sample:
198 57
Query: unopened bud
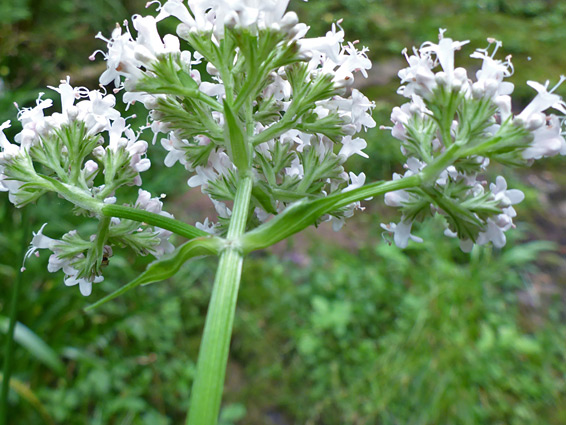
72 113
231 20
98 152
441 78
477 90
491 87
289 20
349 129
345 81
110 200
91 166
150 103
503 220
535 121
461 74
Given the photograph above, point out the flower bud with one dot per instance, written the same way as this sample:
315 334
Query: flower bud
349 129
535 121
98 152
478 90
72 113
90 166
289 20
150 103
441 78
231 20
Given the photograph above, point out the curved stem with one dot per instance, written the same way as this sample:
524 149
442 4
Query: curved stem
213 354
302 214
167 223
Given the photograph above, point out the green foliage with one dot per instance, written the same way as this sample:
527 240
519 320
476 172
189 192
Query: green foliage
34 344
377 336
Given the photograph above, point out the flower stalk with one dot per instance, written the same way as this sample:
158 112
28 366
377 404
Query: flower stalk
207 389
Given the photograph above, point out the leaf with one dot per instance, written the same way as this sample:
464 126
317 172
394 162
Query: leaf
34 344
167 266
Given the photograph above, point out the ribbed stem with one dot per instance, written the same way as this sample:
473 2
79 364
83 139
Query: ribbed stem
207 389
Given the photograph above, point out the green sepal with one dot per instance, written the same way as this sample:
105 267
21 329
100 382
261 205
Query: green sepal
167 266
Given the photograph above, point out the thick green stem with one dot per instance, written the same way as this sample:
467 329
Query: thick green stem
9 344
213 355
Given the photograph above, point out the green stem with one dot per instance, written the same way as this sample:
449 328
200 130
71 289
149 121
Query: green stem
302 214
142 216
8 348
213 355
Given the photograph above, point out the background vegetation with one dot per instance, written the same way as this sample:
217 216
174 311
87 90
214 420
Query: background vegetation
331 328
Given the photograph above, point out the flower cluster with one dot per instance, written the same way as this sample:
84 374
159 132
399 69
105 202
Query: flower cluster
291 97
451 130
84 153
81 260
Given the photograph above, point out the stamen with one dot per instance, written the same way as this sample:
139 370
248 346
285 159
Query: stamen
93 56
498 44
562 79
101 37
149 3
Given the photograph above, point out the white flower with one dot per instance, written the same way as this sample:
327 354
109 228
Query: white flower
490 77
401 233
175 150
154 205
39 241
120 59
207 226
418 76
9 150
325 47
355 181
444 52
505 197
213 15
543 100
547 140
33 123
85 285
352 147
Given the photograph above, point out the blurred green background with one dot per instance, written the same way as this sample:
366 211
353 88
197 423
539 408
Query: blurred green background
331 328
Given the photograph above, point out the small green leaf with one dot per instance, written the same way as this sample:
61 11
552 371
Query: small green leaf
167 266
34 344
